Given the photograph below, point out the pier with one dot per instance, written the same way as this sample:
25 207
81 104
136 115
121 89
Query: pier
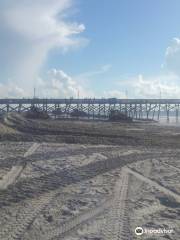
96 108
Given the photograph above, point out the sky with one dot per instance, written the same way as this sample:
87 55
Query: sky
90 48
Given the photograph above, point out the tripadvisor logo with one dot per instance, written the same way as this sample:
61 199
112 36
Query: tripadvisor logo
139 231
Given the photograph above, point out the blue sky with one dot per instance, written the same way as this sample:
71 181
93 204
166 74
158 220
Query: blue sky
117 48
131 35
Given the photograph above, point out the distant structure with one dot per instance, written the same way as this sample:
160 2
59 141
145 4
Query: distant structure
34 92
96 108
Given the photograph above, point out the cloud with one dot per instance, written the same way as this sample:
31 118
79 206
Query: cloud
167 83
58 84
106 68
103 69
29 29
11 90
162 86
172 57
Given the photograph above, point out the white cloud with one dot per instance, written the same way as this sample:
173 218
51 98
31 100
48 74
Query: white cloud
172 57
106 68
11 90
58 84
29 29
87 75
173 48
164 86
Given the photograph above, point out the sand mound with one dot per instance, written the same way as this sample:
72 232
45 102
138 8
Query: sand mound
35 113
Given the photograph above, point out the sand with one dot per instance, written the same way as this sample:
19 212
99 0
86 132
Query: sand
102 188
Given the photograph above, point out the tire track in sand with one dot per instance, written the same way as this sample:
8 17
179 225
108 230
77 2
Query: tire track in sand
68 226
171 166
116 227
154 183
16 171
119 197
71 225
16 228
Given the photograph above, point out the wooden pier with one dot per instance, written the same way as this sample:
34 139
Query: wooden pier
96 108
